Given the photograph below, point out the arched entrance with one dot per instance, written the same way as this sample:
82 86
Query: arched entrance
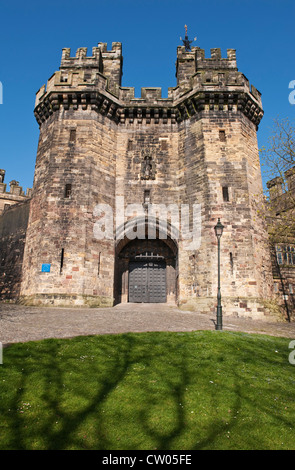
146 270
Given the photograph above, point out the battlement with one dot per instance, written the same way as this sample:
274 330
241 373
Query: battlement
108 63
14 195
216 61
215 52
15 188
282 185
94 82
81 59
149 95
190 62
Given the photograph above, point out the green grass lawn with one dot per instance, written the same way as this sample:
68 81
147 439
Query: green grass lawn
199 390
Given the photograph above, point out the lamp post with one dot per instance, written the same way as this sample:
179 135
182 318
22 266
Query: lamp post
218 232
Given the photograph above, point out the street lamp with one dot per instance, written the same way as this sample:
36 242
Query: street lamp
218 232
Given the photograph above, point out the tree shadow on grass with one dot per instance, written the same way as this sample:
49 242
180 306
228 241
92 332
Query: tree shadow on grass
58 418
66 392
185 429
239 399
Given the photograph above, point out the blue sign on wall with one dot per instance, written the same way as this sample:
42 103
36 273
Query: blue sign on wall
45 268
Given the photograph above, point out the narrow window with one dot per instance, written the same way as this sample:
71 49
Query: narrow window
62 259
222 135
68 190
225 194
291 288
147 196
73 135
288 255
98 264
164 144
276 287
231 261
87 77
130 145
279 255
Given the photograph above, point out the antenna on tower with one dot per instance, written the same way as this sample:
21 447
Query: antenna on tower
186 41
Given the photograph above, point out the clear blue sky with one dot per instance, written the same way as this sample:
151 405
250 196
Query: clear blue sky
33 34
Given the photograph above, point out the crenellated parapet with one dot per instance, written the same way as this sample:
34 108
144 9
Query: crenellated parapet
94 83
216 61
15 194
107 63
190 62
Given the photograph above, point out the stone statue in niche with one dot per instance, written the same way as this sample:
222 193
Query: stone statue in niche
148 168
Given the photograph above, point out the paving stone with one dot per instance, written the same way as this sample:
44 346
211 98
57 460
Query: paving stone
22 323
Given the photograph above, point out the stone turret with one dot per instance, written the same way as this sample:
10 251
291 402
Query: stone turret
102 61
191 62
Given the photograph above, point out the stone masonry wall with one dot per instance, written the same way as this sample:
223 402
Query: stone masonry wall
61 226
225 179
13 225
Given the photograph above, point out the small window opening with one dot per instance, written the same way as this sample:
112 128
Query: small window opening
164 145
225 194
231 261
87 76
280 257
222 135
291 288
73 135
62 259
130 145
68 190
147 196
98 264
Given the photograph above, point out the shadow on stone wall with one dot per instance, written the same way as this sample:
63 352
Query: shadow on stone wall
13 226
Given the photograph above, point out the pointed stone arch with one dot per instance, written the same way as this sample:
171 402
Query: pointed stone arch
149 261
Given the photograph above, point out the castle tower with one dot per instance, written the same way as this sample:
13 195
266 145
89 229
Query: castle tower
75 170
192 156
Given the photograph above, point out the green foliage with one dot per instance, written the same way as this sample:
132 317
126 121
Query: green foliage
279 154
277 158
166 391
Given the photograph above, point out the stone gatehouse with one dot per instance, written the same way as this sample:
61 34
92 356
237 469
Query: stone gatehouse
104 155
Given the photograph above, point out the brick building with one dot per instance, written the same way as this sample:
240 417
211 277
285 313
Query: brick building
127 190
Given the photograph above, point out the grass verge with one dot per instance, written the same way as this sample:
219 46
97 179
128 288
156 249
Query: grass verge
164 391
